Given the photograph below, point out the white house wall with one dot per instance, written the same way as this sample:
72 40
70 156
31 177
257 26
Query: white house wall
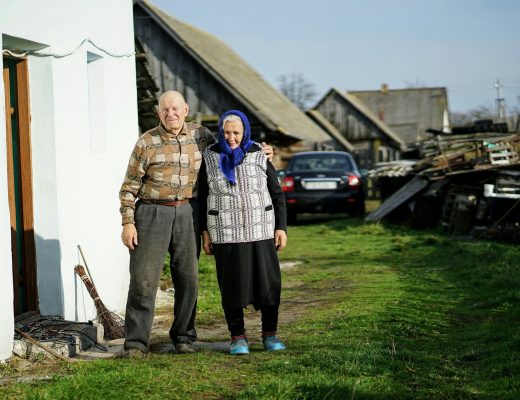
75 181
6 280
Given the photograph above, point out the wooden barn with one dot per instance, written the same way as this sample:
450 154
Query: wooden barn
213 79
408 112
372 139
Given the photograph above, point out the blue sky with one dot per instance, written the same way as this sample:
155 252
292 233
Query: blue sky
464 45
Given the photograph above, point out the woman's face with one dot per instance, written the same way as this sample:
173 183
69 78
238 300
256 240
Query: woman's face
233 133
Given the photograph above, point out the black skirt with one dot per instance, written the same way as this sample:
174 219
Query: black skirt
248 273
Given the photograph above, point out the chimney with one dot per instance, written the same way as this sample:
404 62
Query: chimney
381 111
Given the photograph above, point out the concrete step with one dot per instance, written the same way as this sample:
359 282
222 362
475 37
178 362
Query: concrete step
67 338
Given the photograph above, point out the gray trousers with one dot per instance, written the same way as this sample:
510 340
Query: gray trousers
162 229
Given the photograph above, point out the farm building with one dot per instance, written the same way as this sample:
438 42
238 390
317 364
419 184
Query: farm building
373 140
408 112
213 79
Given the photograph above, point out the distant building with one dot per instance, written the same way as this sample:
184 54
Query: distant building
408 112
373 141
213 78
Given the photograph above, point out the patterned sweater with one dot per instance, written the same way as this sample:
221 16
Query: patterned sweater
249 211
163 167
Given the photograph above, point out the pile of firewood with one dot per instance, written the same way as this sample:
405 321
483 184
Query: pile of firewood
444 154
468 184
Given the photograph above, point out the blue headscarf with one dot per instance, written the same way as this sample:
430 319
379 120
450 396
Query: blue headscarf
230 158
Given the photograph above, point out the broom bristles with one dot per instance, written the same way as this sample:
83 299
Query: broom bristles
113 325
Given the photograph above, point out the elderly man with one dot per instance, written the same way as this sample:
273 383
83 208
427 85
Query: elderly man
162 176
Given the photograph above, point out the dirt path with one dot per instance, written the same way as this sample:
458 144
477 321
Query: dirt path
290 311
213 336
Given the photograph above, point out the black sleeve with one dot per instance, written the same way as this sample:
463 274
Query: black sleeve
202 197
211 138
277 197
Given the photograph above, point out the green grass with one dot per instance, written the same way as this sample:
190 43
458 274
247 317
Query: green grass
382 312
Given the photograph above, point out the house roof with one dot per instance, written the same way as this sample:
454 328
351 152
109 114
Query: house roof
410 111
363 109
273 109
330 129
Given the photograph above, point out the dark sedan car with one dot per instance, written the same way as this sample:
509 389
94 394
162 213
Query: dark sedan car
323 182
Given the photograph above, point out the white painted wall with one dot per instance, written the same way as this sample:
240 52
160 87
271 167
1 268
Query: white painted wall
75 185
6 281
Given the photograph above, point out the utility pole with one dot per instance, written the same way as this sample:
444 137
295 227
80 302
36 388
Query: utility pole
501 108
517 128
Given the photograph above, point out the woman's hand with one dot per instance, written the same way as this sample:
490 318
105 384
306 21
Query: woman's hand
206 243
280 239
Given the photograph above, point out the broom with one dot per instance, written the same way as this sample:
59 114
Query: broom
113 325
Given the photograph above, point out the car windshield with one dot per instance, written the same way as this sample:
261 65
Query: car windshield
323 162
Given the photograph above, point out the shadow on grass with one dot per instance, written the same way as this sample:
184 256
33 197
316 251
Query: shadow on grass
453 331
309 219
330 391
462 302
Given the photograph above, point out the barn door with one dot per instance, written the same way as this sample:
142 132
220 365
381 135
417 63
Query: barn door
19 179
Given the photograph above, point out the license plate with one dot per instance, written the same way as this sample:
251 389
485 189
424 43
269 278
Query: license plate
320 185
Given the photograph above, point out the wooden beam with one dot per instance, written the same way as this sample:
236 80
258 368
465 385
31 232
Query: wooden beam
24 121
10 187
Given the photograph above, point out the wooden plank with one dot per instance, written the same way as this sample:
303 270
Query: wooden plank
401 196
24 120
10 187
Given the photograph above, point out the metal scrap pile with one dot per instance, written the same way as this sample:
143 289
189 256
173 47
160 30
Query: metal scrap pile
57 330
469 183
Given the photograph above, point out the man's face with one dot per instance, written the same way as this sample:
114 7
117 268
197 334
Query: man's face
172 112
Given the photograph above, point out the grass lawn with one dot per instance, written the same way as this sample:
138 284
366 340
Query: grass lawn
369 311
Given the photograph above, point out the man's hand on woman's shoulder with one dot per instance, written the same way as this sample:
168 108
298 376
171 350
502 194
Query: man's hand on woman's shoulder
268 150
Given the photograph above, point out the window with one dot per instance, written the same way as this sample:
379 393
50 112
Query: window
96 102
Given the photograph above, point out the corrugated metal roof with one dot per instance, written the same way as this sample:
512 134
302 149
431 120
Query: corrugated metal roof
270 106
409 112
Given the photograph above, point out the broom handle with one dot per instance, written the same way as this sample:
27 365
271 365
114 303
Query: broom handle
86 266
37 343
87 281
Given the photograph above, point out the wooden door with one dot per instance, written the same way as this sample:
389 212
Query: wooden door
19 178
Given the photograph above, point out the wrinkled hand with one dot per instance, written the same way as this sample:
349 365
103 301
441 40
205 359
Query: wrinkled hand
206 243
268 150
129 236
280 239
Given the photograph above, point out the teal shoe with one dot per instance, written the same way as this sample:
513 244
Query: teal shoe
239 347
272 343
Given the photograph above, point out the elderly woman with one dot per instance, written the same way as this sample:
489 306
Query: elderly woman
243 223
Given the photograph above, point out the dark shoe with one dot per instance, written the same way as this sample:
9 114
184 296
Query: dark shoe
239 347
272 343
134 354
184 348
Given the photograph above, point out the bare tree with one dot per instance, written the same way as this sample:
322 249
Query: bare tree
469 117
418 83
297 89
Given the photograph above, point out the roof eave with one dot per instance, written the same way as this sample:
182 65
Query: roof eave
167 28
